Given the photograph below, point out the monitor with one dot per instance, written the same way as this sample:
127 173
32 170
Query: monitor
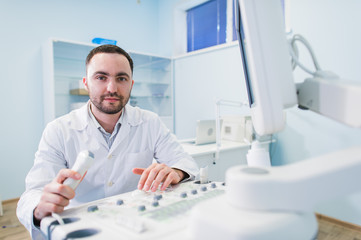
266 62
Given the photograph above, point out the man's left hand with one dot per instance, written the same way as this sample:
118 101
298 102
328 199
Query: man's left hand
156 174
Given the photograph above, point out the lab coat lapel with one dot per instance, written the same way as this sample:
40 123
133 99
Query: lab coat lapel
131 119
121 137
93 135
96 135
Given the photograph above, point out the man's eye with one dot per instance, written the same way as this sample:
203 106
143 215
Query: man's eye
101 78
122 79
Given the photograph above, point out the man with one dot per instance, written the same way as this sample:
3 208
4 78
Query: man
124 140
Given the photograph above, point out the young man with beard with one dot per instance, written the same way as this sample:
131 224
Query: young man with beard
124 140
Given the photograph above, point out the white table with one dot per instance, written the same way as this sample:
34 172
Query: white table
231 154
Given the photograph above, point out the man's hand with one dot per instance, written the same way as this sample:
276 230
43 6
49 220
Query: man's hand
55 195
156 174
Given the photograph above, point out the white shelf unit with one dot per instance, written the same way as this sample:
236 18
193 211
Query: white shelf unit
64 68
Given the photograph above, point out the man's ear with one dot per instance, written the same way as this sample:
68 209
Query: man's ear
85 82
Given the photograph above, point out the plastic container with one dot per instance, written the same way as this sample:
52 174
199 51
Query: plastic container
103 41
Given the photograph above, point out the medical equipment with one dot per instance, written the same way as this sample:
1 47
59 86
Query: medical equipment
219 103
277 202
266 64
83 162
134 215
258 155
205 132
237 128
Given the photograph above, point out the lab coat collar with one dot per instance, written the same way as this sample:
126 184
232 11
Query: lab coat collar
132 116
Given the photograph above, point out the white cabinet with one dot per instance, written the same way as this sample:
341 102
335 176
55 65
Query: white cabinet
64 68
153 85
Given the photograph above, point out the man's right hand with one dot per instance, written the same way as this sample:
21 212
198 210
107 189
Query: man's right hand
55 195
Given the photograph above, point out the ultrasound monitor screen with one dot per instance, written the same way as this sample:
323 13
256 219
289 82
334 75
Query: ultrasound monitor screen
242 45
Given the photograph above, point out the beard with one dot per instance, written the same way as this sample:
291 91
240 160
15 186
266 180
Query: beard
113 108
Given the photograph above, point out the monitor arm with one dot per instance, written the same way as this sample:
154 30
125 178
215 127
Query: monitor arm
332 97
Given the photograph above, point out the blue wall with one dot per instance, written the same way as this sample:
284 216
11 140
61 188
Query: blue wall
203 78
25 26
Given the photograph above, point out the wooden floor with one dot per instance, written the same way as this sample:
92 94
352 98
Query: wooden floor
329 228
11 228
334 229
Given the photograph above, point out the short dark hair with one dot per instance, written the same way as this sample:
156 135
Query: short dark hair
108 48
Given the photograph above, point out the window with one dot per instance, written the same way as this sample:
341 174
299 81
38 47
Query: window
212 22
206 25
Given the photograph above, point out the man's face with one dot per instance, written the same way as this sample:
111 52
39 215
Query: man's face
109 82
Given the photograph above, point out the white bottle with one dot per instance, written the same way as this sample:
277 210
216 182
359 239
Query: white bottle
83 162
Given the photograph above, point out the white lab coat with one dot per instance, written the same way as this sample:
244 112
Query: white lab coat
141 138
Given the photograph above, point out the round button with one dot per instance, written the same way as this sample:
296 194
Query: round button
110 183
155 204
204 188
183 195
141 208
92 208
158 197
110 156
213 185
120 202
194 191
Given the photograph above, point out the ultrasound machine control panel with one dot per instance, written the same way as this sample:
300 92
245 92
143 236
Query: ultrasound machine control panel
134 215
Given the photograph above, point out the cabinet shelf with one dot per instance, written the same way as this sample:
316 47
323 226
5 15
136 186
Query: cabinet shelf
68 59
151 83
84 92
150 96
79 92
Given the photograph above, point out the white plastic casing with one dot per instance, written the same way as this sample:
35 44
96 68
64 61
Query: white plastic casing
276 202
216 219
295 187
258 155
269 65
332 97
83 162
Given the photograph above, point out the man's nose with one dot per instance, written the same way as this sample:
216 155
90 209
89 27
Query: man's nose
112 87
